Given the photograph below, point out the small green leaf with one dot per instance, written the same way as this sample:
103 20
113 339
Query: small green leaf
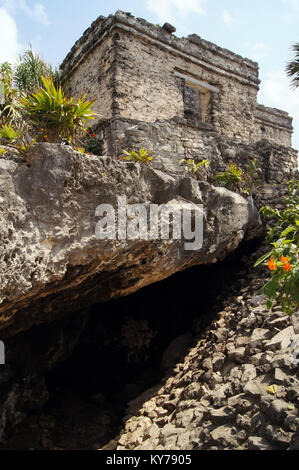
263 258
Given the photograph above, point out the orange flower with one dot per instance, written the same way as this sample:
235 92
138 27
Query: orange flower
287 267
283 259
272 265
94 135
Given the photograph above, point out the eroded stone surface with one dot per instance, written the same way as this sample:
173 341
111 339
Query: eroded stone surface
51 260
238 410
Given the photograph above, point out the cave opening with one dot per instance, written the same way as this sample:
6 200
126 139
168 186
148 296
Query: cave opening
124 347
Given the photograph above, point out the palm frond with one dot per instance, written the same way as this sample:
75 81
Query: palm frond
292 68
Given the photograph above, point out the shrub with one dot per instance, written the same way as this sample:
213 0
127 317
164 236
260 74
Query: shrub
10 134
193 167
16 138
143 156
283 260
50 111
10 109
30 70
91 143
238 180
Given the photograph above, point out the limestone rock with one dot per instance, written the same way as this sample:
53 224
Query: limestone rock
49 250
258 443
282 340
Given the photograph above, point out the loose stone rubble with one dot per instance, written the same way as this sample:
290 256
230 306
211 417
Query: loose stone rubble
237 388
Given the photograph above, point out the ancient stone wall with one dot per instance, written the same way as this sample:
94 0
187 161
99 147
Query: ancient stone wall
95 77
140 71
172 140
175 96
274 125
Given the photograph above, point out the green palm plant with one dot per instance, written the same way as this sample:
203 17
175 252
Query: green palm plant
16 138
10 108
292 68
194 167
141 156
30 70
10 134
50 112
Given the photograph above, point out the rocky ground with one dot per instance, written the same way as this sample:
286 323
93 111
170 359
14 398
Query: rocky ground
236 389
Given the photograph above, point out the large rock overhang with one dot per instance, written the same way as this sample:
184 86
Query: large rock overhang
51 260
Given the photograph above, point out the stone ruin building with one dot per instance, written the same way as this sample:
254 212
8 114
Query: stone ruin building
179 97
184 364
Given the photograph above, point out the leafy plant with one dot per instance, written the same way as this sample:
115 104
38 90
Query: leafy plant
3 151
292 68
283 260
251 177
16 138
231 178
142 155
60 116
194 167
238 180
24 146
91 143
10 109
10 134
30 70
80 150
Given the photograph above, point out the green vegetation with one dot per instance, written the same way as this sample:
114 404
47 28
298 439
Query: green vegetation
53 114
9 134
9 110
142 155
283 260
36 108
30 70
292 68
195 168
91 143
238 180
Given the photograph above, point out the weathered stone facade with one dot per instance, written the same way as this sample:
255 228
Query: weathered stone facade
176 96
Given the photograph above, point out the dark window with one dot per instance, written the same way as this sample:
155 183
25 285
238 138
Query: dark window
196 102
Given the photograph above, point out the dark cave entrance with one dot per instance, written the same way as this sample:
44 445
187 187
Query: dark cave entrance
125 347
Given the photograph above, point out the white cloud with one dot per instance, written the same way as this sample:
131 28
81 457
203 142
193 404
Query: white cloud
227 18
294 4
292 10
257 51
276 92
36 12
9 44
171 10
9 5
10 47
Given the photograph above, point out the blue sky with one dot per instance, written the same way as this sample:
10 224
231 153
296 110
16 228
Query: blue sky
262 30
